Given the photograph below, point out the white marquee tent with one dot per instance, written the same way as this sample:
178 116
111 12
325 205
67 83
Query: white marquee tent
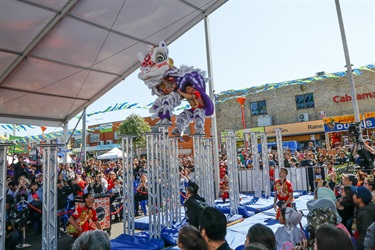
59 56
114 153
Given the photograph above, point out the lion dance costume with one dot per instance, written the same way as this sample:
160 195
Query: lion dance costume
163 78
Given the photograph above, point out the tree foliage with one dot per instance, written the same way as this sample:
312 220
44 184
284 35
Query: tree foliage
135 125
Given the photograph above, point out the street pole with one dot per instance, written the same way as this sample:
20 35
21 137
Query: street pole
348 64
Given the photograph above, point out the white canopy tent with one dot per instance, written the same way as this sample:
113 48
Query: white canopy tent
114 153
59 56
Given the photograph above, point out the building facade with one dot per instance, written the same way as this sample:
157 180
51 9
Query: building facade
297 107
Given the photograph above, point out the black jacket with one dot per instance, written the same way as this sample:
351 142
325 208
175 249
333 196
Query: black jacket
194 207
365 217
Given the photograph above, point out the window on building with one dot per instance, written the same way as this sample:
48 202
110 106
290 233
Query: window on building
258 108
77 143
94 137
305 101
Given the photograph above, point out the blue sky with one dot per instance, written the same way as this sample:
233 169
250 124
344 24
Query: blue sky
258 42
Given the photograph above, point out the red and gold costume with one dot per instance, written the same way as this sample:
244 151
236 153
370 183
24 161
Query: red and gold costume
224 185
84 216
283 191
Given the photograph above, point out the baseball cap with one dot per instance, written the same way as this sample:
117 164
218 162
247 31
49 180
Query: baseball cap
364 194
351 178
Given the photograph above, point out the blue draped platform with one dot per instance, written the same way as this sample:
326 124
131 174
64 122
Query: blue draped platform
236 234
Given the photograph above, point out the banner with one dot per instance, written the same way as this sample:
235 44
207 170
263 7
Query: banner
340 123
102 207
105 128
369 119
240 133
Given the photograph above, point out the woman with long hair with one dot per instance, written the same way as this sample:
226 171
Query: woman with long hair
328 237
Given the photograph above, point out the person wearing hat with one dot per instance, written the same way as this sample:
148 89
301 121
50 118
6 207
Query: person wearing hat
365 213
328 204
290 218
194 205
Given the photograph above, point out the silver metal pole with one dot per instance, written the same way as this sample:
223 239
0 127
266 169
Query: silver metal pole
256 169
128 189
153 153
198 178
3 188
65 138
175 180
49 225
83 157
280 151
212 96
234 196
208 171
266 171
348 64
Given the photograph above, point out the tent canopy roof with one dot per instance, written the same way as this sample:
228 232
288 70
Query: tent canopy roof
114 153
59 56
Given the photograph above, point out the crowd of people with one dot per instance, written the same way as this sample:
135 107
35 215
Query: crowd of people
351 194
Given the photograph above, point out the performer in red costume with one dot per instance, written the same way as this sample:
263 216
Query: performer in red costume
283 192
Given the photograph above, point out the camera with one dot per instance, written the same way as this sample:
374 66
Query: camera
20 216
355 131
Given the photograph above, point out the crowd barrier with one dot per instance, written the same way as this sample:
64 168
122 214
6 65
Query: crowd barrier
298 177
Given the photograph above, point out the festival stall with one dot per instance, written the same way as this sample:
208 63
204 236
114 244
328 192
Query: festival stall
337 127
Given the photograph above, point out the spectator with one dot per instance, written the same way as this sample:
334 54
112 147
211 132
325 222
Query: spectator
330 238
194 205
213 228
12 188
309 163
20 169
224 188
369 242
142 193
345 206
256 246
349 179
262 234
290 218
370 185
11 235
189 238
365 215
93 240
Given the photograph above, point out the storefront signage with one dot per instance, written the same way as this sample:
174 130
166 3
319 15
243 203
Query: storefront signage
299 128
240 133
340 123
348 98
370 119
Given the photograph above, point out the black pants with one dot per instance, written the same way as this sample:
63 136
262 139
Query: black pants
310 173
137 198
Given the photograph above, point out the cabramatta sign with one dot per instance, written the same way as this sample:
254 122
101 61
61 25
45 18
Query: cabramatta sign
341 123
348 98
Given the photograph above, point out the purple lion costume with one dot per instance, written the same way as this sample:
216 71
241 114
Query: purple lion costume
163 78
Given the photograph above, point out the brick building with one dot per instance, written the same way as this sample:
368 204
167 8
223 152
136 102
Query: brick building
296 106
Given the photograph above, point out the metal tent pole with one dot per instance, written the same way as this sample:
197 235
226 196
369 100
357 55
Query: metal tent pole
49 225
3 188
212 96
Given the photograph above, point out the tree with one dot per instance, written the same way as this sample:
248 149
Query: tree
135 125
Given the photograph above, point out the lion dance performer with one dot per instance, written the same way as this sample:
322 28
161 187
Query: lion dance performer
171 84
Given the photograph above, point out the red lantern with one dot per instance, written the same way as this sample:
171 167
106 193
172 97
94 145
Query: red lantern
241 100
43 128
